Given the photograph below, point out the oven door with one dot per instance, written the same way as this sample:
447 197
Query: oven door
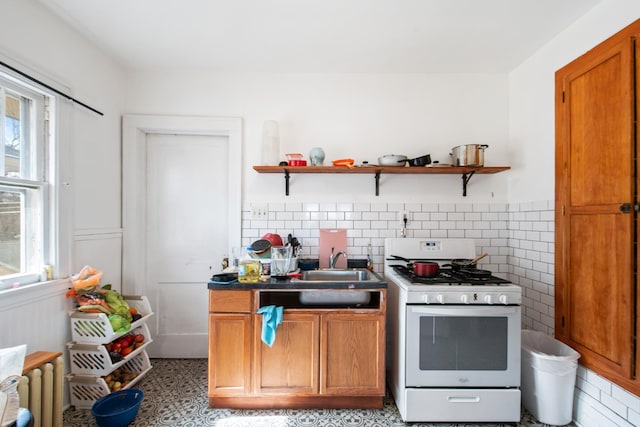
463 346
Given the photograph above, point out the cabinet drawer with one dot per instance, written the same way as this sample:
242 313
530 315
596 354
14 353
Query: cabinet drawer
230 301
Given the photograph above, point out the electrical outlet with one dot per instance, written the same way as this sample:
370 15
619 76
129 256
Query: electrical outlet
404 214
259 211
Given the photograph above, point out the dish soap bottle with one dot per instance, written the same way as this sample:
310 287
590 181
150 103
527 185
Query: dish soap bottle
248 267
369 257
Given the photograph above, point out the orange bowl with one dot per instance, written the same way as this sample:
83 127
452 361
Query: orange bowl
343 162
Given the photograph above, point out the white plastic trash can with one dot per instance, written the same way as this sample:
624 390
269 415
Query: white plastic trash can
548 377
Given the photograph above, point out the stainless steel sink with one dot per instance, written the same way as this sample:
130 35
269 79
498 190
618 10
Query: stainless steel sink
337 276
336 296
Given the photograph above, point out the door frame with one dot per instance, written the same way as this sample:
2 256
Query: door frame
135 128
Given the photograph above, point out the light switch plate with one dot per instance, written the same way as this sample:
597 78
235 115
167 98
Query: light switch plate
259 211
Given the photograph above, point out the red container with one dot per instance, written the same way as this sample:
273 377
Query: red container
426 269
297 163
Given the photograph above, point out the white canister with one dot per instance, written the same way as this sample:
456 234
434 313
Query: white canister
270 143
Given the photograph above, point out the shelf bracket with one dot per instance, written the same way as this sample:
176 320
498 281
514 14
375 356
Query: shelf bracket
286 182
466 177
377 178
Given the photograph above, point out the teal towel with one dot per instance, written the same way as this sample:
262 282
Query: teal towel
271 318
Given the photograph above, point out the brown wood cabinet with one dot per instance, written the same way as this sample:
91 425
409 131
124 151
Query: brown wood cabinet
322 357
291 365
597 206
230 343
352 354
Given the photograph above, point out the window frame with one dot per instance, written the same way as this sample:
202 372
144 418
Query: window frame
38 182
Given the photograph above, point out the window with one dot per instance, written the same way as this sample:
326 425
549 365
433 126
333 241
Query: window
24 181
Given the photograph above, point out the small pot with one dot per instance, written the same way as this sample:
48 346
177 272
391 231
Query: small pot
420 161
426 269
392 160
468 155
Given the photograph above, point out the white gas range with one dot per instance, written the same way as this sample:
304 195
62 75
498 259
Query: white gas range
454 339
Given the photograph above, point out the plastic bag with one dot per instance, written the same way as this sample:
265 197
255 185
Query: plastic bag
87 279
549 354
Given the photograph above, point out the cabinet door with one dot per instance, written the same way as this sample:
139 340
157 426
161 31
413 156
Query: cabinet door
229 354
290 366
595 197
352 354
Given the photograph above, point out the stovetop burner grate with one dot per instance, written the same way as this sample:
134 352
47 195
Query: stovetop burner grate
446 276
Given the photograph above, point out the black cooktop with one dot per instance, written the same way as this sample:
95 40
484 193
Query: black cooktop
446 276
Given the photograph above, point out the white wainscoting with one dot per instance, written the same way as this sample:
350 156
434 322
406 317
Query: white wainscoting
37 315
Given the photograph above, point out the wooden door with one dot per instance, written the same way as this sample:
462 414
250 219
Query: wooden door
595 200
290 366
352 354
229 354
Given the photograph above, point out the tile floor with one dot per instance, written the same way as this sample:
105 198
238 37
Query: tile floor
176 395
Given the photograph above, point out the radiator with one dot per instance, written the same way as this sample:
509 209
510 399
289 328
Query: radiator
41 388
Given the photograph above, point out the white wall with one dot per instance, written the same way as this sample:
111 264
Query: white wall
531 98
34 41
361 116
531 149
54 53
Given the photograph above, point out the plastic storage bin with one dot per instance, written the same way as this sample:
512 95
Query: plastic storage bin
548 377
94 328
85 390
93 359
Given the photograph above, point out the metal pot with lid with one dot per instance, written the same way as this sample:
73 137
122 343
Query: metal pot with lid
392 160
468 155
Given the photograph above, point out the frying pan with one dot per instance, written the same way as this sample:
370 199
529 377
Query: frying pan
474 272
420 161
261 246
460 263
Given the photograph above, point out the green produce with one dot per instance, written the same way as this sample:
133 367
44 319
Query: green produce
117 304
119 324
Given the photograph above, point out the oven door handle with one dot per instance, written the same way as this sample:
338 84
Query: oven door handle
464 311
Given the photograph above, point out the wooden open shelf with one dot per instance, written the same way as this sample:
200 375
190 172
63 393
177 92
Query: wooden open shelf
466 171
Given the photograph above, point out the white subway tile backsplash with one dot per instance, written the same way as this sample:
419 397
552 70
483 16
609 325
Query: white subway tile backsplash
595 379
628 399
519 238
335 216
614 405
633 417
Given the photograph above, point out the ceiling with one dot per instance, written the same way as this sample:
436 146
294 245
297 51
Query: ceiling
321 36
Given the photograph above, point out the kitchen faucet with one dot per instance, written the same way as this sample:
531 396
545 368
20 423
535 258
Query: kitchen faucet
333 258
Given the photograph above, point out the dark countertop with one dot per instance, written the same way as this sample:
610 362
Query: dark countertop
287 284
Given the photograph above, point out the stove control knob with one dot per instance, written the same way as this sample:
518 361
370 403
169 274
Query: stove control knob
488 299
440 298
464 298
503 299
425 298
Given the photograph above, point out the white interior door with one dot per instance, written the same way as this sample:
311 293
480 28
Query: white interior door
187 236
181 214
